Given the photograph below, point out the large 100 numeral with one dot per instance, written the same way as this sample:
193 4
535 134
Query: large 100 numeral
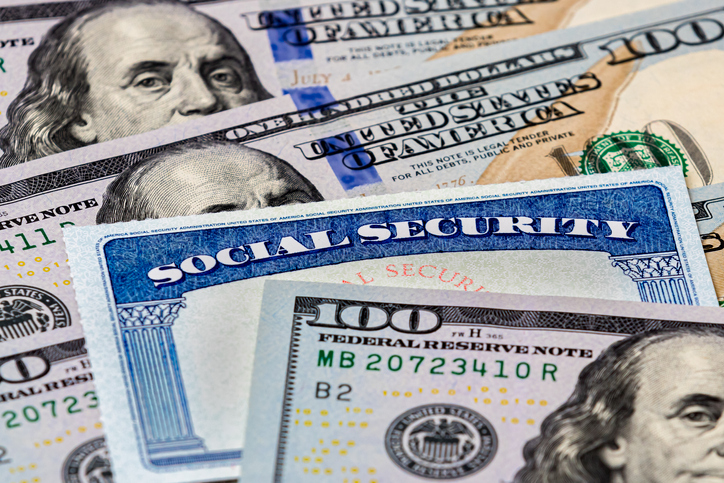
368 318
660 41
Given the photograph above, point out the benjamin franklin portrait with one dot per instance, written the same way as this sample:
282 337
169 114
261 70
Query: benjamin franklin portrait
648 410
203 177
123 68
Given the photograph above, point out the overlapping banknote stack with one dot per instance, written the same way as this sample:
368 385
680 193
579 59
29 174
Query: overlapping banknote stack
371 241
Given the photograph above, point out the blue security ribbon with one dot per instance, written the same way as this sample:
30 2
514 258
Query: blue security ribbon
314 96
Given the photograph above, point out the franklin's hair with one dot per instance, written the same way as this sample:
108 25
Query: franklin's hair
129 196
595 414
56 88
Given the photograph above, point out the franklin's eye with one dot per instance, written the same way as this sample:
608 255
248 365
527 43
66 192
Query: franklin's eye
290 198
222 208
150 82
225 78
700 417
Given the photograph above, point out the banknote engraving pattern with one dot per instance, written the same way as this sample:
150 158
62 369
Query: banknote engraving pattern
90 463
26 310
441 441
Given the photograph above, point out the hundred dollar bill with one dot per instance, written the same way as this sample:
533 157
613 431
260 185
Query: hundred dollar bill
77 73
399 385
170 306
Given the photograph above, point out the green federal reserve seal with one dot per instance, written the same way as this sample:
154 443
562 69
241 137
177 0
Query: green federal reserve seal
628 151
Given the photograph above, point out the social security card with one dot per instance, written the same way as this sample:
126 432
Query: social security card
170 307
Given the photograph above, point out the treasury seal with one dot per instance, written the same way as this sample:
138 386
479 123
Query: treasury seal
441 441
27 310
628 151
88 463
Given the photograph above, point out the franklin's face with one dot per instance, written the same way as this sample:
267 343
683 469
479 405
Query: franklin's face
154 65
676 433
223 178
